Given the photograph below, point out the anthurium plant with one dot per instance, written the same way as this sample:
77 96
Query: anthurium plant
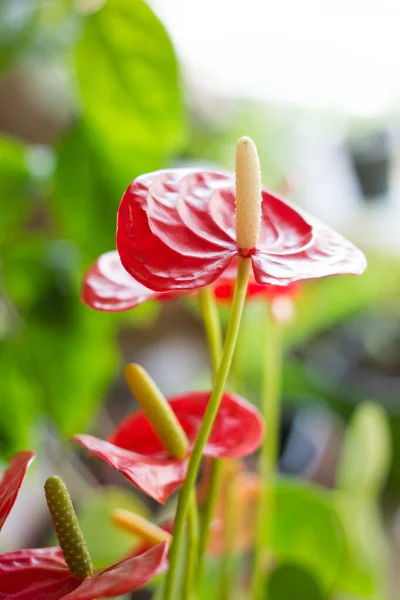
237 530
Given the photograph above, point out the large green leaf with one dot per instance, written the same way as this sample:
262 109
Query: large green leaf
290 581
83 200
362 472
366 454
364 573
63 352
129 86
307 530
15 199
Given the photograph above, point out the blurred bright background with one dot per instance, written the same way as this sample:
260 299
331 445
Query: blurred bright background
94 93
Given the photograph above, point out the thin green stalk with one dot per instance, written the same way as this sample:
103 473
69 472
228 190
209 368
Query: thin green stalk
206 426
271 408
212 325
192 551
208 512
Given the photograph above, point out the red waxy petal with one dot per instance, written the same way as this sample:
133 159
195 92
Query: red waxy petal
176 231
173 229
41 574
12 481
35 574
126 576
137 453
107 286
157 476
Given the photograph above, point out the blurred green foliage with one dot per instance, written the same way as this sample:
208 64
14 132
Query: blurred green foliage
362 473
59 203
292 581
308 530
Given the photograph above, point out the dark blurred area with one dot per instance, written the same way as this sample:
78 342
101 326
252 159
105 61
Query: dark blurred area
94 93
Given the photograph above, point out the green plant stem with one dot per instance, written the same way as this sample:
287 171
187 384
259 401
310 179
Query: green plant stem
208 512
270 407
206 426
212 325
193 544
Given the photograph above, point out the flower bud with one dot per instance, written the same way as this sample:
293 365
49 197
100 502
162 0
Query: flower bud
158 411
248 195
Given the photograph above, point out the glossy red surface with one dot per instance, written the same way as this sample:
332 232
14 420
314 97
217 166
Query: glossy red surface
176 231
108 287
41 574
135 451
12 481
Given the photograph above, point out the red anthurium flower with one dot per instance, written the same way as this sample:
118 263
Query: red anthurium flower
135 450
42 573
108 287
12 481
176 231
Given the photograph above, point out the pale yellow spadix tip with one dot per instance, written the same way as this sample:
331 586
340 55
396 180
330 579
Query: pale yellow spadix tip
157 409
148 533
248 195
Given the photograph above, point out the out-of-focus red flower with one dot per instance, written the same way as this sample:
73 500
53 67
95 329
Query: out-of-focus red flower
135 451
108 287
244 486
245 489
176 231
12 481
42 574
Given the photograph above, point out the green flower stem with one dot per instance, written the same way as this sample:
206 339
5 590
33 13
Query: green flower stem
192 551
206 426
67 528
212 325
208 513
271 408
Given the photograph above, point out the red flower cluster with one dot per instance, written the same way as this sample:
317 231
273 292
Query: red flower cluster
176 232
135 451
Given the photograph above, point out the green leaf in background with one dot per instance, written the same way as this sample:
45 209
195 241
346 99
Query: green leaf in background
366 454
129 85
15 200
307 530
83 202
290 581
16 29
63 352
365 570
108 544
362 472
